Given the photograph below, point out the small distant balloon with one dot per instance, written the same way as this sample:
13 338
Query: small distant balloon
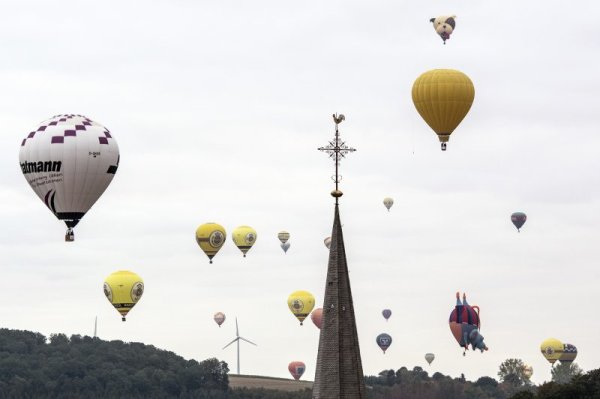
296 369
210 238
327 242
552 349
283 236
569 354
244 238
388 202
384 341
518 219
386 313
301 303
285 246
219 318
317 317
429 357
527 371
123 289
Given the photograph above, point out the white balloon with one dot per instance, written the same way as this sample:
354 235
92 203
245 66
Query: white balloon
388 202
69 161
327 242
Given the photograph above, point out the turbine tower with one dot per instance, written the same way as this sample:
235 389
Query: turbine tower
237 339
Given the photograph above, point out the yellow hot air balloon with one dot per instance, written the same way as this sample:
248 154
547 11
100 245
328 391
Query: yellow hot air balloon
552 349
443 98
301 303
210 237
123 289
244 238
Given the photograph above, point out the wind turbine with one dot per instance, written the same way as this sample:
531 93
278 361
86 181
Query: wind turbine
237 338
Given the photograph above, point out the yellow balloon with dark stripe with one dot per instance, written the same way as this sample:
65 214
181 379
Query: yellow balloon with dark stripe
443 98
244 238
301 303
123 289
210 237
552 349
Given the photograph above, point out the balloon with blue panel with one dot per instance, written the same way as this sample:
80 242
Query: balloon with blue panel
465 325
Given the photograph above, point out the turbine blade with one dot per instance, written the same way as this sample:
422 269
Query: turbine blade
250 342
235 339
237 331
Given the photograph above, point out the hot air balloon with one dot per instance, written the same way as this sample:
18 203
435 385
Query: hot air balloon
244 238
301 303
518 219
429 357
219 318
210 237
283 236
285 246
384 341
552 349
569 354
527 371
443 98
444 26
123 289
388 202
69 160
327 242
317 317
296 369
465 324
386 313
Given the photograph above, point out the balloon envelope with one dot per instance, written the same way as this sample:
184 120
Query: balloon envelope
386 313
69 160
388 202
219 318
123 289
317 317
384 341
283 236
569 353
527 371
429 357
518 219
296 369
301 303
552 349
443 98
210 238
327 242
244 238
285 246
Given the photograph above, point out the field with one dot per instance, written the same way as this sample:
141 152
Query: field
254 381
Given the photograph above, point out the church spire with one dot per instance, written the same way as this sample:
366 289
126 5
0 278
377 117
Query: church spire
339 368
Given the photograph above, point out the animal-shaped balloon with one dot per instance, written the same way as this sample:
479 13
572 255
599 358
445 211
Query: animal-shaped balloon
444 26
384 341
518 219
69 160
219 318
464 325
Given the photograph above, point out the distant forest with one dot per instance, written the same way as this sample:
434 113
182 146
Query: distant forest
33 366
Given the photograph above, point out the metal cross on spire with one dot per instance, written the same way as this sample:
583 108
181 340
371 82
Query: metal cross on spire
337 149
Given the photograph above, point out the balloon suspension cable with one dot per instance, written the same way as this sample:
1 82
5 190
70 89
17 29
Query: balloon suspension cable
337 149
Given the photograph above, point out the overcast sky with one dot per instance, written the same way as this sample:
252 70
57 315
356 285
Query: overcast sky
218 108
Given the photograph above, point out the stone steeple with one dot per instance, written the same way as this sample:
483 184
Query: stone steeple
339 372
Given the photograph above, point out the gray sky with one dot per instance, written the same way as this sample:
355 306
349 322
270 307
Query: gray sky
218 108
